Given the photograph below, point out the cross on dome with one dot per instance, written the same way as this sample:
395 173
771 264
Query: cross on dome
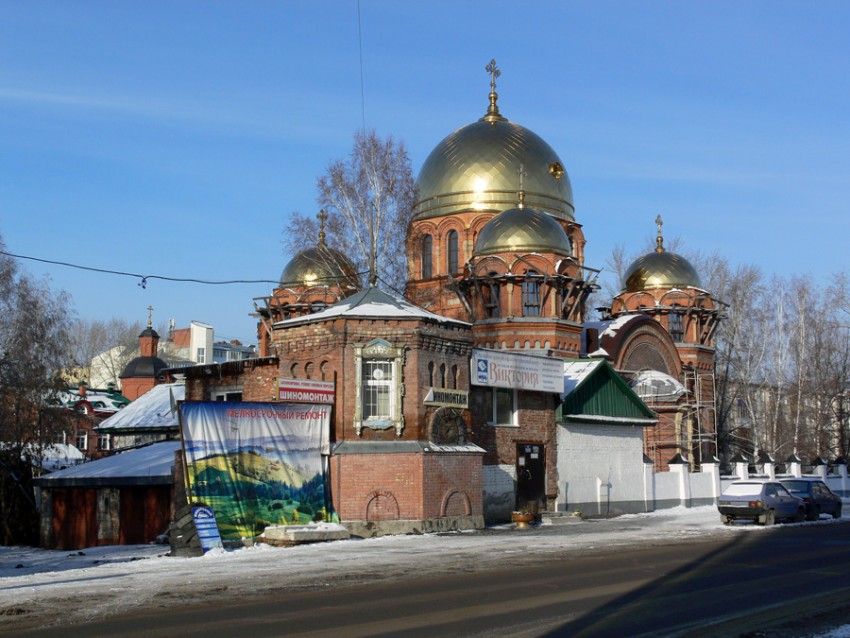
659 241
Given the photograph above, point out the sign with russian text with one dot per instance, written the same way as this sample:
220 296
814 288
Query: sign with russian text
447 398
206 526
257 464
305 390
498 369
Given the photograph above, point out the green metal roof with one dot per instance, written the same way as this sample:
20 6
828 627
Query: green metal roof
603 397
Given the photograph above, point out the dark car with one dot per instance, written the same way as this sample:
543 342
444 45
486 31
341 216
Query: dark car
817 496
760 501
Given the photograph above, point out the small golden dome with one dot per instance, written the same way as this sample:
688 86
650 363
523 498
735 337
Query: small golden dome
522 230
660 270
319 266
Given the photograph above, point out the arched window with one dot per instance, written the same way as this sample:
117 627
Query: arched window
442 375
293 370
454 377
531 294
324 369
427 248
308 370
675 324
431 373
451 241
491 292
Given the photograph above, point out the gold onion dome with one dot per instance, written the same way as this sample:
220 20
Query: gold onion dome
319 266
522 230
660 269
475 168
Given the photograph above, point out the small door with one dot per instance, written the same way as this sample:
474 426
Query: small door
530 476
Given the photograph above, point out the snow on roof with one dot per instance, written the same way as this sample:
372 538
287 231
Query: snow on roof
154 461
577 371
610 327
372 303
652 384
60 455
152 410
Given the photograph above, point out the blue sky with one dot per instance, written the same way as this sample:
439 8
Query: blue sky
175 138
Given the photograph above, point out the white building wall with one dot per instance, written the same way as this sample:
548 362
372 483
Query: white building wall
200 337
601 469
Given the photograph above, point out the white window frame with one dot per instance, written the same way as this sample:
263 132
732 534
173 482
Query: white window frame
379 351
83 436
493 420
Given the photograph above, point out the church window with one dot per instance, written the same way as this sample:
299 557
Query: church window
503 402
377 375
442 375
677 331
491 296
427 248
378 387
531 295
454 377
452 252
431 373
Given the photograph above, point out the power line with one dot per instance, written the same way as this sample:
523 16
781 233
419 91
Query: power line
143 279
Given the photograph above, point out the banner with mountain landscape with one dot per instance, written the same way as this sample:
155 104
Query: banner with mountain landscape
257 464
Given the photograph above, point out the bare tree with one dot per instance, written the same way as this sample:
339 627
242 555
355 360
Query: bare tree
102 349
369 200
34 350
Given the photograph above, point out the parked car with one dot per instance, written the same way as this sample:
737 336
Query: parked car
817 496
761 501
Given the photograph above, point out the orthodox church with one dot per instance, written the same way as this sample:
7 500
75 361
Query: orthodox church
484 390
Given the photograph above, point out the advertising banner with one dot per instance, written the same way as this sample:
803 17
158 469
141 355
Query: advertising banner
305 390
257 464
498 369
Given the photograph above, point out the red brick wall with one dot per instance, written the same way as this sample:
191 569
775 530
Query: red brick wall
406 486
536 425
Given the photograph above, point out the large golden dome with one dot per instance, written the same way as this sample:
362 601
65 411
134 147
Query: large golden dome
319 266
522 230
476 168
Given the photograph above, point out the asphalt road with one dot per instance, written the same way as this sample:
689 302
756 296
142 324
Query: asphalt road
788 582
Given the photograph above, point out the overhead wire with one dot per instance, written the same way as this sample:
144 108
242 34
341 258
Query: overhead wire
143 279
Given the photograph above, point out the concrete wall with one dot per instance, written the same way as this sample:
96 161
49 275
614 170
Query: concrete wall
601 470
499 492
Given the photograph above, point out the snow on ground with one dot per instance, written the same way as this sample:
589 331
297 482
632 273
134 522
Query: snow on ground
39 587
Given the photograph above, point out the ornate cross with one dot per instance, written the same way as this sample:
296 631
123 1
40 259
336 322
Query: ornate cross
150 316
659 242
323 216
494 73
521 172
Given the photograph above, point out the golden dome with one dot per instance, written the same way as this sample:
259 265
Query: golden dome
522 230
476 168
319 266
660 270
